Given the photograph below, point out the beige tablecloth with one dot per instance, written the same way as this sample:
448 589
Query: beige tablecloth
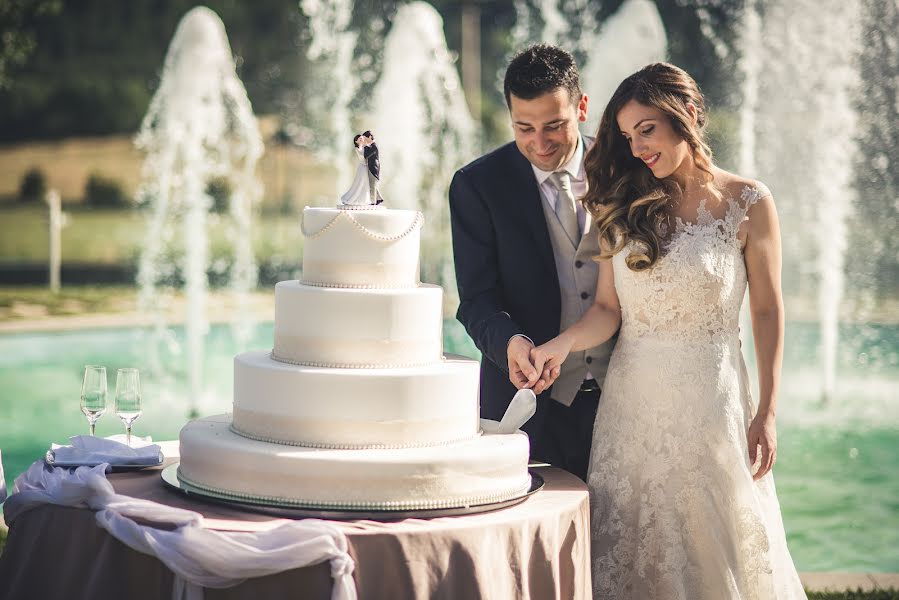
538 549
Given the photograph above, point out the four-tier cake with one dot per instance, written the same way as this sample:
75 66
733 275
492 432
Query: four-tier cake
356 406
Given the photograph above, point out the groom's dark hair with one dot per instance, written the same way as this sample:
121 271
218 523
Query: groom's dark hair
541 69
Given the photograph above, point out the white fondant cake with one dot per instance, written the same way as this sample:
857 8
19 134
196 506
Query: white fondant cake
355 406
487 468
358 327
362 249
341 408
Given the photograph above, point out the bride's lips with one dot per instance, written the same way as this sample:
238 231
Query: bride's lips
652 159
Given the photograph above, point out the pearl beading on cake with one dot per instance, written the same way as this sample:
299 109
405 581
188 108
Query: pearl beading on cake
323 365
356 286
322 446
388 505
416 222
362 207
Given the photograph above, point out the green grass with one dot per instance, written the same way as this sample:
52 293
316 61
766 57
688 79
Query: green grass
23 301
115 236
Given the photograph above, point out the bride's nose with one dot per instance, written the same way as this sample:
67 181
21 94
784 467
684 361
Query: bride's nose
637 148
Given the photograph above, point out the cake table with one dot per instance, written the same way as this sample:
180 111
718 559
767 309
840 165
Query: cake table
537 549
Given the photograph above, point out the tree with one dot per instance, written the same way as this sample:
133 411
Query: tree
17 37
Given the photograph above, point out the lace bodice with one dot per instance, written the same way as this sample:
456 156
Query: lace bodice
694 291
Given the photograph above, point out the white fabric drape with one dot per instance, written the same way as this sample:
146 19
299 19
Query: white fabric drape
197 556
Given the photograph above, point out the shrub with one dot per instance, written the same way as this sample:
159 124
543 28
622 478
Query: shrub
34 186
219 189
104 192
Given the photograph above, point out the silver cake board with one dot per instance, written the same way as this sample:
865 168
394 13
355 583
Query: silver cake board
298 511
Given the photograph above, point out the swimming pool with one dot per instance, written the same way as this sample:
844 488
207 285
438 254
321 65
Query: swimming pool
837 473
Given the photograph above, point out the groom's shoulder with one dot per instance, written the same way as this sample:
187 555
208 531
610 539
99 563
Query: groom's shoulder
488 164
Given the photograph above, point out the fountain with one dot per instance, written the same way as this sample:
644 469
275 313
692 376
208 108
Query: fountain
427 132
416 109
331 50
199 128
798 130
631 38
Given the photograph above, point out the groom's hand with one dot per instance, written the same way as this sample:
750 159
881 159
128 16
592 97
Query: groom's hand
522 373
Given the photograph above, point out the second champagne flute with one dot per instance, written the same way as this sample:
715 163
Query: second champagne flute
127 398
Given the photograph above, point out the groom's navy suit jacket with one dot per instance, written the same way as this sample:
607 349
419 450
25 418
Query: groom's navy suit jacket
505 269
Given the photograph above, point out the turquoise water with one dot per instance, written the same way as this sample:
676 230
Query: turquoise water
838 464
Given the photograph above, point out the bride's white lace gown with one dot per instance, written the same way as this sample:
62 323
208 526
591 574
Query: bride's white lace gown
675 513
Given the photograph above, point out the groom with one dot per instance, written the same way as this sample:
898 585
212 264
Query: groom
523 247
373 160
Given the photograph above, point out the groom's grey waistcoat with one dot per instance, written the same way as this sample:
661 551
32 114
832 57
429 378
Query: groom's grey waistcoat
577 286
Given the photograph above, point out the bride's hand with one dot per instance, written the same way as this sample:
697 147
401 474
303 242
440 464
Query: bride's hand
548 359
762 433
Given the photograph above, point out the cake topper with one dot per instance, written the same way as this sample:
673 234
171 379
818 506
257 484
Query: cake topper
364 191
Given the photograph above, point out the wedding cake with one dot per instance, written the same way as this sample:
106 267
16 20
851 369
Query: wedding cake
356 406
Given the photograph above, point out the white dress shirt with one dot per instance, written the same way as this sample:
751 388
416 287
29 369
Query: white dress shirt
575 169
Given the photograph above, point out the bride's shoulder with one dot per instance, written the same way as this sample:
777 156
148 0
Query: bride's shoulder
742 189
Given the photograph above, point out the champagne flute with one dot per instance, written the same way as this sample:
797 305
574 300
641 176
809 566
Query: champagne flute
127 398
93 394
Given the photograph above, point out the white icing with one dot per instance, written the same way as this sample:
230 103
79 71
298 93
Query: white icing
486 468
353 327
429 404
369 249
355 407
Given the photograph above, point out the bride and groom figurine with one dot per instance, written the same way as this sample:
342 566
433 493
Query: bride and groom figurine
364 191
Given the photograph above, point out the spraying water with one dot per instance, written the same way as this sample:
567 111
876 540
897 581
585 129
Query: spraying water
332 46
628 40
800 140
426 131
199 128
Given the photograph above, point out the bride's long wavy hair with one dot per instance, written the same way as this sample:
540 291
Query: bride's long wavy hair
626 200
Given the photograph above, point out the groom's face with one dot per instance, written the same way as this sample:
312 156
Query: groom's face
546 127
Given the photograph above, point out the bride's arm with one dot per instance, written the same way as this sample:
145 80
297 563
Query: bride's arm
597 325
762 255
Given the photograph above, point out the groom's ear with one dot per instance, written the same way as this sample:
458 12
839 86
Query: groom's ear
582 108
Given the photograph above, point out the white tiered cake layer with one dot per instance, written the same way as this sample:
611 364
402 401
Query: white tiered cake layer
326 407
487 468
361 248
339 327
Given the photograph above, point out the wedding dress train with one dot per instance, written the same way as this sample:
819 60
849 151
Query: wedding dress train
675 512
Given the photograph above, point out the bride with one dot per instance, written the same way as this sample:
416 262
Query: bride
683 504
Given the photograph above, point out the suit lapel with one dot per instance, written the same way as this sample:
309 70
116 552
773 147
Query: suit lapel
526 198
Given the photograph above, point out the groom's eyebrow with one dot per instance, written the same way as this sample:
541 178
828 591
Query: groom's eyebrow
553 122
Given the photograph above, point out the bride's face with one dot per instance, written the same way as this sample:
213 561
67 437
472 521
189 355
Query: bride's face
653 140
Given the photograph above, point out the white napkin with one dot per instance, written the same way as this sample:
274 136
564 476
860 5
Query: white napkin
522 408
89 451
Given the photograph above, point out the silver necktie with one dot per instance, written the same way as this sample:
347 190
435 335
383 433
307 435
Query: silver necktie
565 206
